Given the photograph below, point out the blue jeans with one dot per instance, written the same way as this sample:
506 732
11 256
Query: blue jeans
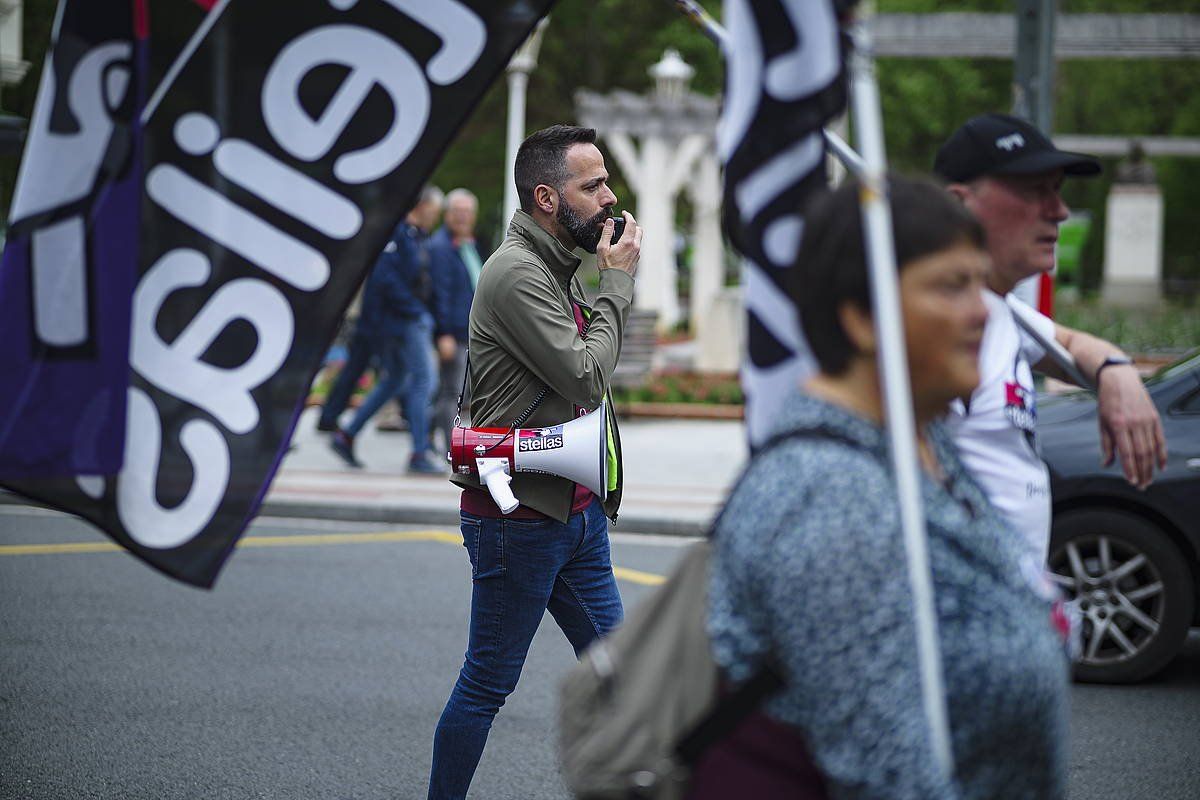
358 358
410 371
519 569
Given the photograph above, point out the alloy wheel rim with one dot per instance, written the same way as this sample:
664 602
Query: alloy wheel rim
1118 591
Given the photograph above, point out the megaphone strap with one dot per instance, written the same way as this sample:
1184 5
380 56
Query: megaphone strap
462 391
519 421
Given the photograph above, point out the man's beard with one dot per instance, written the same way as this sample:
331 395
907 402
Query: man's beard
585 232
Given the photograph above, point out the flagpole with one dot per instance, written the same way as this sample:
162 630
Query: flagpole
696 13
893 361
851 160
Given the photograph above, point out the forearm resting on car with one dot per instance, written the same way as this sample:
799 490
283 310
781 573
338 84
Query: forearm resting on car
1130 428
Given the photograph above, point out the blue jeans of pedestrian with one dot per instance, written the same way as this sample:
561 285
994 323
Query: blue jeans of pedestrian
358 358
410 373
519 569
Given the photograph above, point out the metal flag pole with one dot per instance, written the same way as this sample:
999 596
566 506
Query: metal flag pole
851 160
696 13
897 393
871 170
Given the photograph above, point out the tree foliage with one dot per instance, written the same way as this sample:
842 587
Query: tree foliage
925 99
604 44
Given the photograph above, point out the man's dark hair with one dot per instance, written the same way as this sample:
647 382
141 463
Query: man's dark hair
541 158
831 268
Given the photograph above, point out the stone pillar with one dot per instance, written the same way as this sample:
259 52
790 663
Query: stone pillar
721 343
708 248
1133 236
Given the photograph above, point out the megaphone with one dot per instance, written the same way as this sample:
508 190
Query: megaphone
576 450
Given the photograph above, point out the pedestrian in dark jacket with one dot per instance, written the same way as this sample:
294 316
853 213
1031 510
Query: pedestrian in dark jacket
396 314
453 252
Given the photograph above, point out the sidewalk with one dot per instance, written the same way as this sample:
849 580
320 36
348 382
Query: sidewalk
677 473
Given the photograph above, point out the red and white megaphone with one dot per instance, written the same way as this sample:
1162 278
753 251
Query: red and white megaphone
575 450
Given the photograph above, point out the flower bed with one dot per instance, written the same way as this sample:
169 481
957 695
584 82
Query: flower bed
684 387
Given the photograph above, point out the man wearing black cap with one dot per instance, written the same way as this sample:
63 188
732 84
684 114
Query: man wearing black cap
1009 174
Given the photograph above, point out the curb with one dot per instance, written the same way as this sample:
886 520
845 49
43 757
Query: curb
440 515
719 411
414 515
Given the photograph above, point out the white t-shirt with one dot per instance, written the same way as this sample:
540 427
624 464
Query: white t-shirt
996 433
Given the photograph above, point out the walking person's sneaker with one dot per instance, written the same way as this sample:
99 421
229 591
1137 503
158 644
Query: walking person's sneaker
326 427
421 465
343 444
390 420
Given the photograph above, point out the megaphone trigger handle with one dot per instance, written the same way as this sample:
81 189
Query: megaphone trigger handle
493 473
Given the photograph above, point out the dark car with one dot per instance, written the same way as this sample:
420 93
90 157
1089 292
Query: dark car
1131 559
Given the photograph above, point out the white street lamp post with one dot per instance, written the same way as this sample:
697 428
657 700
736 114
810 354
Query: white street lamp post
523 63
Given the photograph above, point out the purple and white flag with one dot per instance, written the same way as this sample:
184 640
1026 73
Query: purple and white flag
280 148
70 262
785 78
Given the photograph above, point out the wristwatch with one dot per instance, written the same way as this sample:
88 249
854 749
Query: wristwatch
1112 361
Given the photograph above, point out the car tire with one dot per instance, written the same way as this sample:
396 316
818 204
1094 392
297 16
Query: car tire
1156 587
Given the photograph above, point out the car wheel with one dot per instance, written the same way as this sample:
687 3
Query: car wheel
1130 583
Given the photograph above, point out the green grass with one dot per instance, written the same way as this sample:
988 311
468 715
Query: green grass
1167 328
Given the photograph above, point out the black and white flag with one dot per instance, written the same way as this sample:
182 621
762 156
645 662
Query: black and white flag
277 154
785 78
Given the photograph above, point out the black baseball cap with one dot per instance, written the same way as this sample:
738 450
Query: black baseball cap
999 144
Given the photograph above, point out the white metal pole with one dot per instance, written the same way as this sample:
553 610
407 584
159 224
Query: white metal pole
897 393
522 63
517 81
696 13
850 159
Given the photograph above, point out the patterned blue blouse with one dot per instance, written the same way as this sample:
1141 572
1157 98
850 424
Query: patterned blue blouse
809 562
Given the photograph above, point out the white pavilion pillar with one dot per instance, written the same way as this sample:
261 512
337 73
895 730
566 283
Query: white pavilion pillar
656 172
708 248
523 62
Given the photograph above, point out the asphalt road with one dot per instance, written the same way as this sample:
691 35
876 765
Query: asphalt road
318 666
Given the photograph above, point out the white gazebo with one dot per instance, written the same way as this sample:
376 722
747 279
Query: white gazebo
664 142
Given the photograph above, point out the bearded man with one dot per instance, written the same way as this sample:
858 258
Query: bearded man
532 335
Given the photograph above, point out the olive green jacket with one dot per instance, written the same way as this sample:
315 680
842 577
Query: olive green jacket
523 337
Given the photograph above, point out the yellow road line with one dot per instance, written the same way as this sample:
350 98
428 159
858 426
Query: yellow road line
303 540
47 549
637 576
246 541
